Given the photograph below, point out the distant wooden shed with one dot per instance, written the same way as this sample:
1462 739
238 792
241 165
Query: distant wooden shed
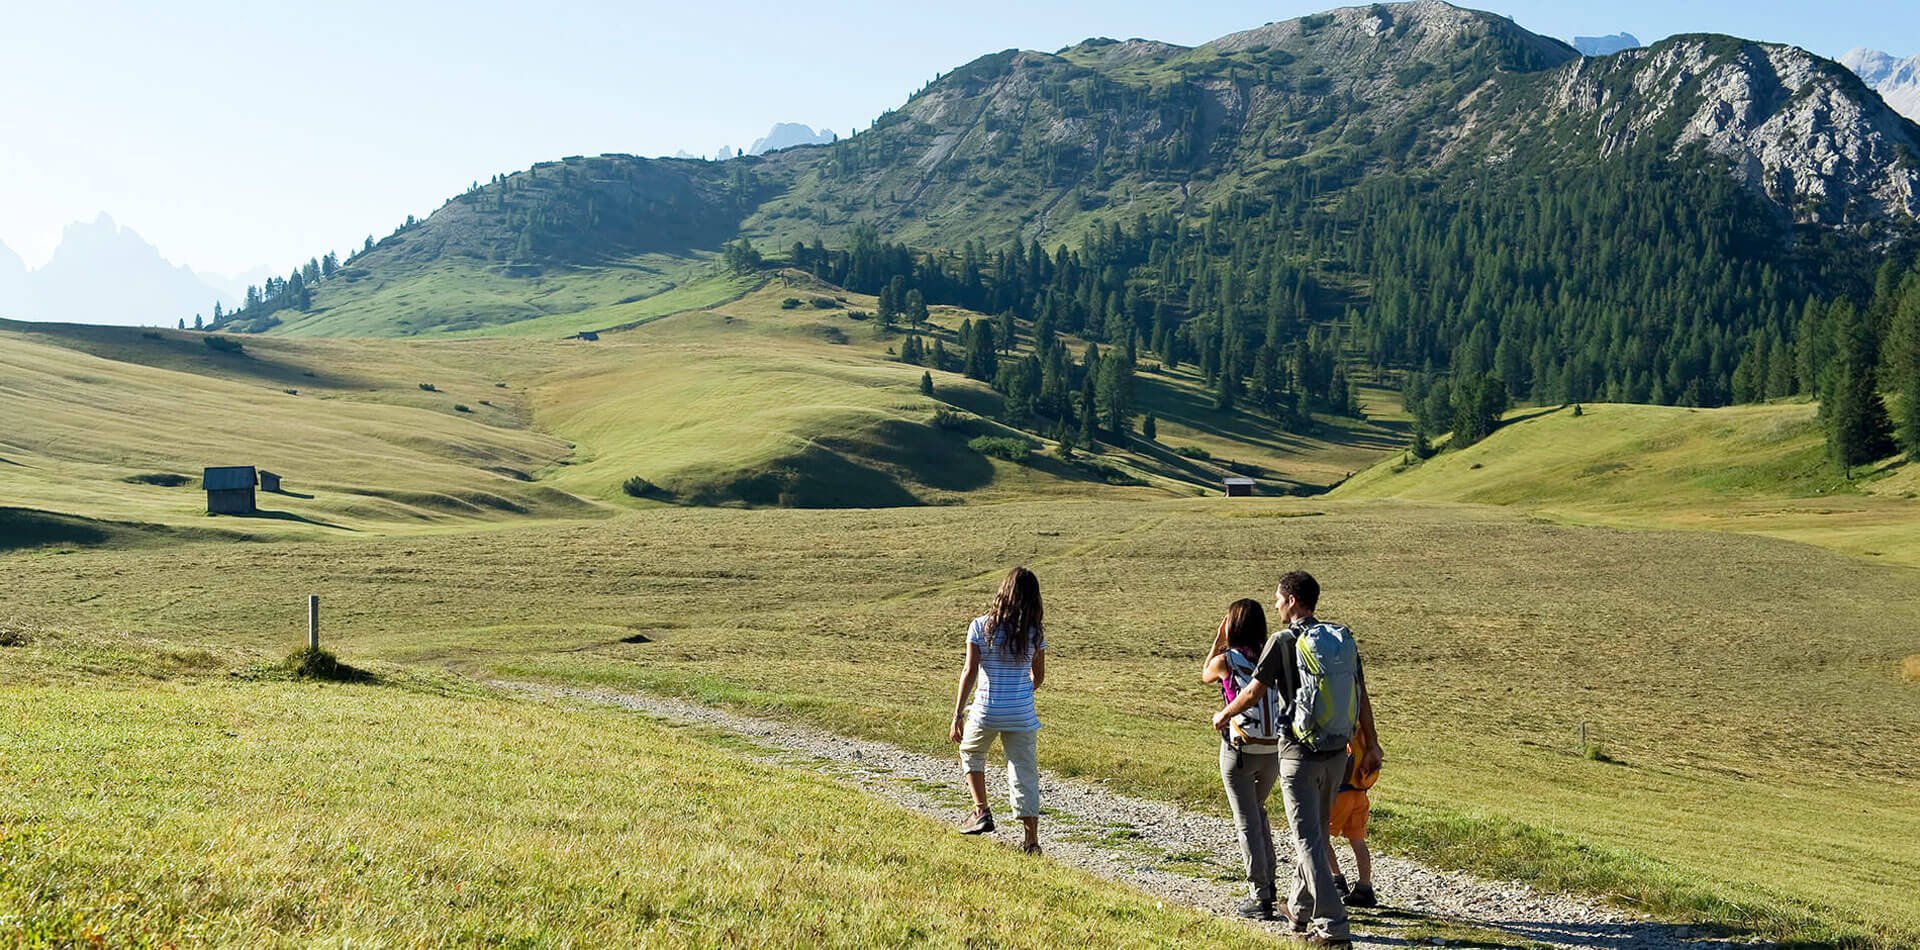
229 490
589 336
269 482
1239 487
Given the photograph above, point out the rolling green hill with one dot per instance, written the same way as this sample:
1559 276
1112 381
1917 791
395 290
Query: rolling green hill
1444 188
1750 469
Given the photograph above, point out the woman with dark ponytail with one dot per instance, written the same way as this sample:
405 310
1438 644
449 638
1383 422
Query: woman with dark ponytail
1006 662
1249 746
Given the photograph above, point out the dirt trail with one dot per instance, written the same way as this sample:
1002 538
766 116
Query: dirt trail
1174 854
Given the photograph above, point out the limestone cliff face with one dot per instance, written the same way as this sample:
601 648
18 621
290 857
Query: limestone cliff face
1799 129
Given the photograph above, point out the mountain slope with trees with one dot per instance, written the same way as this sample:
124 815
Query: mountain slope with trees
1398 192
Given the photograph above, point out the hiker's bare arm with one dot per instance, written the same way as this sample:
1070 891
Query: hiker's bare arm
967 674
1213 668
1255 689
1375 754
1039 667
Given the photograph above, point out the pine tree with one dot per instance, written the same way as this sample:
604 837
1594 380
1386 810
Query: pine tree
1903 359
1859 430
916 309
183 321
926 384
1149 429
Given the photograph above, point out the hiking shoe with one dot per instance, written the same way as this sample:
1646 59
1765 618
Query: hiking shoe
1362 896
1253 908
1318 939
1340 884
1030 847
1299 926
980 824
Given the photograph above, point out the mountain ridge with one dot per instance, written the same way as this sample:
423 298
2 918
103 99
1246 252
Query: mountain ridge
1897 80
1423 114
105 273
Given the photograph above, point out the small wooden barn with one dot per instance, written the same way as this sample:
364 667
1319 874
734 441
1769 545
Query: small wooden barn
269 482
588 335
229 489
1239 487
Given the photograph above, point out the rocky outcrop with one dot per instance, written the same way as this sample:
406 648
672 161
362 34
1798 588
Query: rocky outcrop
1798 129
1897 80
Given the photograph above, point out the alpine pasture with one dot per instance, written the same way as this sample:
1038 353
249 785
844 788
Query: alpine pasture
452 547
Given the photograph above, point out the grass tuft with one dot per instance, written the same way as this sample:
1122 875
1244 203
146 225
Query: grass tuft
1910 669
321 664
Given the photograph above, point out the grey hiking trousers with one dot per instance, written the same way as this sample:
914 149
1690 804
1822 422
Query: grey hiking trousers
1249 778
1309 786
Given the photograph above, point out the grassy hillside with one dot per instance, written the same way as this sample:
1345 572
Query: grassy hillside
116 424
1491 639
781 393
1752 469
172 804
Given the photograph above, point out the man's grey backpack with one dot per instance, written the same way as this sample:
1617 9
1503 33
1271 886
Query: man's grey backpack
1328 701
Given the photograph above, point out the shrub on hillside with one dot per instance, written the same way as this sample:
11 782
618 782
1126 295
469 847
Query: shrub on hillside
950 421
791 303
428 388
461 407
639 487
824 303
1193 452
221 344
323 665
162 479
1108 473
1002 447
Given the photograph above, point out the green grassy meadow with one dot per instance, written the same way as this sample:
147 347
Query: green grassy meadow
201 808
1749 469
1695 588
1491 637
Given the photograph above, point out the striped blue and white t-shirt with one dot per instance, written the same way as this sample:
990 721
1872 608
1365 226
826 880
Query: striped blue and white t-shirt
1003 697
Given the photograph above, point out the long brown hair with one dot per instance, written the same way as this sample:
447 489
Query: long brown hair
1014 620
1246 625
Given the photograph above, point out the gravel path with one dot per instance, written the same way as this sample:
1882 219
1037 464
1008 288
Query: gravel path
1174 854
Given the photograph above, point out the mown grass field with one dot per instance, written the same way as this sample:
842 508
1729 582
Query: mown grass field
1751 469
205 809
1705 666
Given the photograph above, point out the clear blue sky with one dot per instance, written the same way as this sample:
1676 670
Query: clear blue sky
234 134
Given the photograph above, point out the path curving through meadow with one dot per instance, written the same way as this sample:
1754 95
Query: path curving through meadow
1177 855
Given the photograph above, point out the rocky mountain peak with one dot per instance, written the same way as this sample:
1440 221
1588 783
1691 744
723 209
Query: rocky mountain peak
1897 80
1797 128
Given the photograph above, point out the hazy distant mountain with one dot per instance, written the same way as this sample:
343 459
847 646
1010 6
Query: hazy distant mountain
789 134
1897 80
104 273
1606 45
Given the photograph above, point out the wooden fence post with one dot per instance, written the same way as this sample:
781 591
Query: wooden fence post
313 621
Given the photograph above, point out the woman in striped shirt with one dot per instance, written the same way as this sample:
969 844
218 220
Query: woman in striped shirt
1006 662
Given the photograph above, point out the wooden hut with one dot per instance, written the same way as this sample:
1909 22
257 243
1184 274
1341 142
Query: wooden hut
1239 487
269 482
229 490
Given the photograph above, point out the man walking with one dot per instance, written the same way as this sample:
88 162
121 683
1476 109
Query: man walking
1316 668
